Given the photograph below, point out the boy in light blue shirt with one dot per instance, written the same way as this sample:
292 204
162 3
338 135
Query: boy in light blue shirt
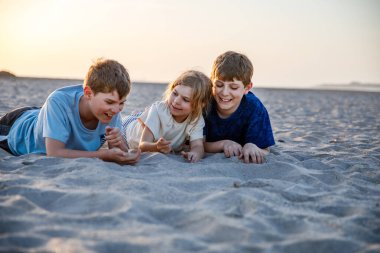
75 120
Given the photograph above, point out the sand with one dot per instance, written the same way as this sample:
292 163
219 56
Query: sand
317 192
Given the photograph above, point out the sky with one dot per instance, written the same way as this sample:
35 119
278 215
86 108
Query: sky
291 43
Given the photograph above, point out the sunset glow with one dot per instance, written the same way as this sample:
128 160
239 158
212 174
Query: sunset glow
291 43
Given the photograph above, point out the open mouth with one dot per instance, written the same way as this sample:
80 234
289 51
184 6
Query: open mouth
224 100
109 115
175 108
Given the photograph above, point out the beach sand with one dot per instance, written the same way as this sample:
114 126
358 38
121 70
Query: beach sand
318 190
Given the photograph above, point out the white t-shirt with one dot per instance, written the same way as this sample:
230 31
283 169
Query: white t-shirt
160 121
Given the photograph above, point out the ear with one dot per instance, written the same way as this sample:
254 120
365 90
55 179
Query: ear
248 87
87 92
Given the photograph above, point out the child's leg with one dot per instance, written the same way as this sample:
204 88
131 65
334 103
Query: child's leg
125 121
7 121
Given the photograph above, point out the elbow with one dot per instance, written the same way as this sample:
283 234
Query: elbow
52 153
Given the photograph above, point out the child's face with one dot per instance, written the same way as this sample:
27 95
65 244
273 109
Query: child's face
180 102
228 95
105 105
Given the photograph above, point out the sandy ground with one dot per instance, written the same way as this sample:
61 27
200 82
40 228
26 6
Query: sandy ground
317 192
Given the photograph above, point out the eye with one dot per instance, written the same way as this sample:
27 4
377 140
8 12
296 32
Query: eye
186 100
219 84
175 93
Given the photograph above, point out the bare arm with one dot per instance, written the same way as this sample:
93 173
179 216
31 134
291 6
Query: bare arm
214 147
196 152
58 149
230 148
147 143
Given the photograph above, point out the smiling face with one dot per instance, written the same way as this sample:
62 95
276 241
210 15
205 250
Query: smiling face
104 106
228 95
180 102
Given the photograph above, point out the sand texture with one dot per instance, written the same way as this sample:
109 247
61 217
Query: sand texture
317 192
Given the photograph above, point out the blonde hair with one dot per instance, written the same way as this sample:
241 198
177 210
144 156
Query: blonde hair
230 65
201 94
106 76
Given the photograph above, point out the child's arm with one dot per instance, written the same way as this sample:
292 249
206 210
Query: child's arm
147 144
196 151
114 138
230 148
254 154
58 149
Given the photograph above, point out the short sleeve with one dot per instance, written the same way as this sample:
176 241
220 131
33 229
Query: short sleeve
151 120
55 122
196 130
259 130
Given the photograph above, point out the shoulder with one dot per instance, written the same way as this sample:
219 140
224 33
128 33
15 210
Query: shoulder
252 98
67 92
252 102
158 110
161 107
198 122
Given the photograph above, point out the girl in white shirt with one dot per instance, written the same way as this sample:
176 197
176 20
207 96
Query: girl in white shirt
168 124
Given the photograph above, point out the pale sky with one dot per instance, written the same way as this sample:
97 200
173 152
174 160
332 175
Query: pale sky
290 42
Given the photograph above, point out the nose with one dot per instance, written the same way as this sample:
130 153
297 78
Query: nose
225 90
177 100
116 109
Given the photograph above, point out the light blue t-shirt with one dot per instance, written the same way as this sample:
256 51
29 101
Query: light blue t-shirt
58 119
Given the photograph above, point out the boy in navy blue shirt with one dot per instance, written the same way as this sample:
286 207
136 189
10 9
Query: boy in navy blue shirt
238 123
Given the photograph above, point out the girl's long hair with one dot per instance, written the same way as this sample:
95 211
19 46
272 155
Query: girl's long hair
201 94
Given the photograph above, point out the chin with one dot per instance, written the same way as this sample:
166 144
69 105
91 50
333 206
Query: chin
105 121
224 107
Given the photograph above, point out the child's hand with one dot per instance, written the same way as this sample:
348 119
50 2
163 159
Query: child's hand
163 146
113 137
192 157
133 156
232 148
252 153
122 157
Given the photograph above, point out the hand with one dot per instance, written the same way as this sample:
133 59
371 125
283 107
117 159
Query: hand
133 156
163 146
232 148
121 157
114 138
252 153
192 157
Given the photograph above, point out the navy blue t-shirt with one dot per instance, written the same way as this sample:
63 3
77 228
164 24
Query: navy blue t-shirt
248 124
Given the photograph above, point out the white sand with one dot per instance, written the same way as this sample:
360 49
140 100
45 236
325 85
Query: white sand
318 191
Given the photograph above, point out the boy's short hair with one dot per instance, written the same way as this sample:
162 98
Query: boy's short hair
230 65
107 76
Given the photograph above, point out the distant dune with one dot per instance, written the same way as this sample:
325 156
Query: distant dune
6 74
354 86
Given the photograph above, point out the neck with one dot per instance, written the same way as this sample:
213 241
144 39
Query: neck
223 115
179 119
